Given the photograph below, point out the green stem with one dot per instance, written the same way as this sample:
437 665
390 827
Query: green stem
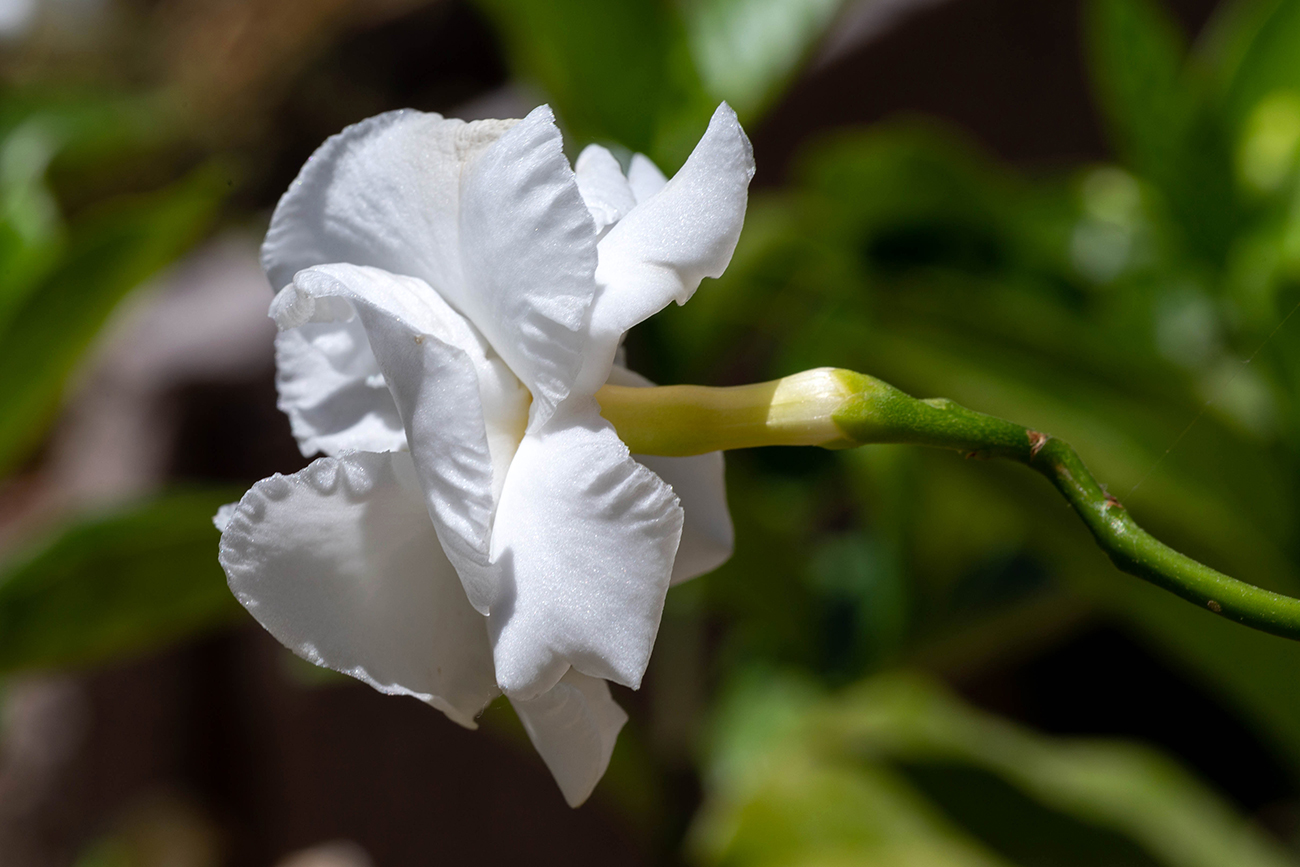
682 420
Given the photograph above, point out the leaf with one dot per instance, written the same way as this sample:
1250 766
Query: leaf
82 138
1159 120
1137 52
1270 63
1241 667
1125 787
809 813
800 777
746 49
1225 40
108 254
616 72
863 602
31 227
774 798
115 584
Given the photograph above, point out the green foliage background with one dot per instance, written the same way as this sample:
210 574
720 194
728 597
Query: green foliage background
1112 305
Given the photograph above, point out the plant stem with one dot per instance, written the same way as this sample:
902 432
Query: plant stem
683 420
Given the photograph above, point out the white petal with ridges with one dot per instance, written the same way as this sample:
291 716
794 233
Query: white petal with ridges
528 246
384 192
573 726
331 388
339 562
687 231
708 537
462 411
487 213
585 539
670 242
644 178
604 189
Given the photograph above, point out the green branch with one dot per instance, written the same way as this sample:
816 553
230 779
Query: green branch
880 413
840 408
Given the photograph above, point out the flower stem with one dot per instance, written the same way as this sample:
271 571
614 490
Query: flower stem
843 409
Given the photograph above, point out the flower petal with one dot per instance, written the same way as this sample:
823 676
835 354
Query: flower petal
644 177
529 251
604 189
670 242
573 726
332 390
585 538
339 563
487 213
463 412
708 537
685 232
384 192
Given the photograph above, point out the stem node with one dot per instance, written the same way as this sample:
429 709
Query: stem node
1036 442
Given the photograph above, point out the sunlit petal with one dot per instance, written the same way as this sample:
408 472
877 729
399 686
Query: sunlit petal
339 562
384 192
708 537
604 189
529 251
331 388
573 726
644 177
585 538
463 413
667 244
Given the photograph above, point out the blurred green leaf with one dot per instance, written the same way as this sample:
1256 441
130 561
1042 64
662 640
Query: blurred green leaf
31 226
1241 667
1270 60
1226 38
775 797
1155 105
1124 787
913 195
82 137
745 49
647 74
108 853
615 72
109 252
25 154
810 813
863 602
114 584
797 777
1137 53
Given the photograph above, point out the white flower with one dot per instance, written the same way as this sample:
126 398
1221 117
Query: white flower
453 296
